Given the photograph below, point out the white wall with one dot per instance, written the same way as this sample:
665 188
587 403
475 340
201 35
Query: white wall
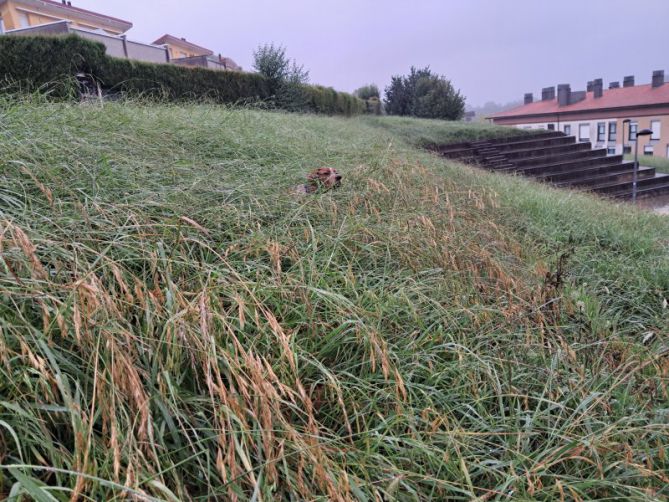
575 126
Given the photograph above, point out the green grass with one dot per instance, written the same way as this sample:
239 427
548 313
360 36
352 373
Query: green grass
660 164
175 324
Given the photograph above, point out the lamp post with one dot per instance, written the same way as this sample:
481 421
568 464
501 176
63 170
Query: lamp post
626 121
642 132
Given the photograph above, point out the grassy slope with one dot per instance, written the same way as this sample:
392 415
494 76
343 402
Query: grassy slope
175 323
660 164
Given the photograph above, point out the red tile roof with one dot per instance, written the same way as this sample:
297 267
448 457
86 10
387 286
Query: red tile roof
171 39
622 97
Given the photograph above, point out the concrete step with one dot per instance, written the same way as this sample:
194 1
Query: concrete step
588 172
656 182
607 178
535 143
660 189
529 135
547 151
570 166
560 157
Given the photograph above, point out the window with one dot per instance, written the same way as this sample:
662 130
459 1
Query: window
655 127
601 131
567 129
24 20
627 149
610 151
648 150
613 131
634 127
551 127
584 132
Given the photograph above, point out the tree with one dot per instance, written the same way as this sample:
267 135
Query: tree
424 94
368 92
285 77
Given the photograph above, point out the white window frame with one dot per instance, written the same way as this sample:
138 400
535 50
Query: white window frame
608 136
648 150
634 124
601 127
656 130
581 128
567 129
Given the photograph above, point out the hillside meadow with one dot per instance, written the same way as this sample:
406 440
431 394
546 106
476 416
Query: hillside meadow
175 324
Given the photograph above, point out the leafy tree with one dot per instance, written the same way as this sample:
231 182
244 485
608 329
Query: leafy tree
368 92
424 94
285 77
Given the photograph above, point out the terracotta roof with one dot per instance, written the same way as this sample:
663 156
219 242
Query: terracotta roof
171 39
622 97
59 5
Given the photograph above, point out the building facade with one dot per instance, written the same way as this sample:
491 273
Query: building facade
21 14
608 118
54 18
185 53
182 48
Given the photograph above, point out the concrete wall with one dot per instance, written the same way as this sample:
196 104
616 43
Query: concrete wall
200 61
146 52
114 45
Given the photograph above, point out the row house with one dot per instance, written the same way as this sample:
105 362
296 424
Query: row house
608 118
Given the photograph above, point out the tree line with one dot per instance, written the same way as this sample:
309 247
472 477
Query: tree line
421 93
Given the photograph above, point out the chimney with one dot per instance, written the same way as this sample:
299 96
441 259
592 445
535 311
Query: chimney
69 4
598 87
628 81
547 93
528 98
658 78
564 94
614 85
588 87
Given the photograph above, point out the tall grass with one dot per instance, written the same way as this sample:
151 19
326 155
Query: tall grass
175 325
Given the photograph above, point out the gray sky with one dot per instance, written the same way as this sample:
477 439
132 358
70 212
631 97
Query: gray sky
490 49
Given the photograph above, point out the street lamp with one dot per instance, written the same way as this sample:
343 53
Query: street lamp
642 132
626 121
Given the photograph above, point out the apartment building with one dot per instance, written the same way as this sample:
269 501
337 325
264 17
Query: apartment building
20 14
608 118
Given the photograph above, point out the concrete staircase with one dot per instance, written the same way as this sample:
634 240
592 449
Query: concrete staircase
554 158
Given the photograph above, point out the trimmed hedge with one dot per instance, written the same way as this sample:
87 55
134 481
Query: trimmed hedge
179 83
49 64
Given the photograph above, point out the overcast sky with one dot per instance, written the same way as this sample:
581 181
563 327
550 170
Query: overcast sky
490 49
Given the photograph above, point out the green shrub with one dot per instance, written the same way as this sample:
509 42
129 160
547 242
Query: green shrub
177 83
49 64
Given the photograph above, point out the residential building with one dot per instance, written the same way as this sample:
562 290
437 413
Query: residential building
18 14
53 18
182 48
185 53
608 118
